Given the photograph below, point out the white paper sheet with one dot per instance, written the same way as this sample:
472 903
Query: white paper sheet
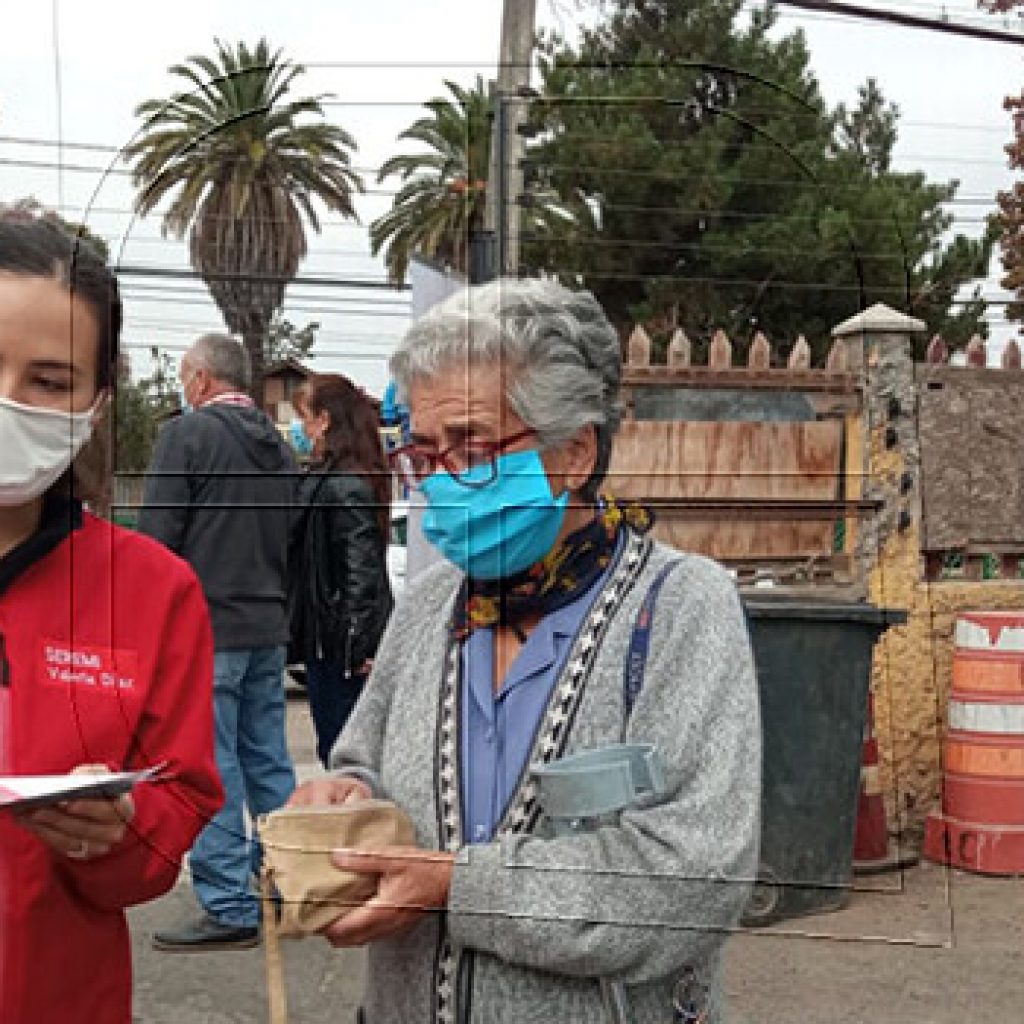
18 792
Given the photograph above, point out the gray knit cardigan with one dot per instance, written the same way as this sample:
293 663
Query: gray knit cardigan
532 923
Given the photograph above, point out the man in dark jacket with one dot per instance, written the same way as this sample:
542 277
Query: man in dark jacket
219 494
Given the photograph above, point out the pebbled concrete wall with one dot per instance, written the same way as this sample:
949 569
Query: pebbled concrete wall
912 667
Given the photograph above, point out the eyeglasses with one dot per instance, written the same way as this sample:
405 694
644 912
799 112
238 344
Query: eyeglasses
417 462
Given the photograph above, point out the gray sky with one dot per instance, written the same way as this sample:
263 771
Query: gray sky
114 53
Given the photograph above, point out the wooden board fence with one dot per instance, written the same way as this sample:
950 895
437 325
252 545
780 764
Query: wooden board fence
682 464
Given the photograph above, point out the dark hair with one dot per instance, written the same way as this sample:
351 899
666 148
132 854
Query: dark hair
38 245
352 441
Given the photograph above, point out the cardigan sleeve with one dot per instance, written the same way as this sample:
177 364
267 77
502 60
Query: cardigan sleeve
662 888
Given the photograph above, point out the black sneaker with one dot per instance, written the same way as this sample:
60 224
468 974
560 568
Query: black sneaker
204 933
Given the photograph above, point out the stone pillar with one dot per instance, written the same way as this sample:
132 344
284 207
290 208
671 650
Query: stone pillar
884 448
887 454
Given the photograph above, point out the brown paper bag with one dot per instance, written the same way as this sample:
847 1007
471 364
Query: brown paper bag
302 890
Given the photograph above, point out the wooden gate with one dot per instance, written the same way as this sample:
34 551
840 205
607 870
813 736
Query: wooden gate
736 491
760 467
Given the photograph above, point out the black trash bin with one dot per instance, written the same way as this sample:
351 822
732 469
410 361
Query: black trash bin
813 661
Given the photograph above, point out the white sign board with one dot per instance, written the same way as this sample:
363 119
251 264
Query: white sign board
430 286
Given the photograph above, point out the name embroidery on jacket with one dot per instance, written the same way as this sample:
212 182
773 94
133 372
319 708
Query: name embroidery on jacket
104 670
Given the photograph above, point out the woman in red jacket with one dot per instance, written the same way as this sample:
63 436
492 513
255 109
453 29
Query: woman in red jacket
105 654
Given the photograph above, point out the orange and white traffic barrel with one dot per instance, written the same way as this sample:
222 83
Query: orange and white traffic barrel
980 826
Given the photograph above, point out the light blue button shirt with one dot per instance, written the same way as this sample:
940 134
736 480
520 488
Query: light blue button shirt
498 728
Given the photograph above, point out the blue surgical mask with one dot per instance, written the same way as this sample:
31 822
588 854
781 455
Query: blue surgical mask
501 528
299 438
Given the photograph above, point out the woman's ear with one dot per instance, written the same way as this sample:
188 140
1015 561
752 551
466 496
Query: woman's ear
580 458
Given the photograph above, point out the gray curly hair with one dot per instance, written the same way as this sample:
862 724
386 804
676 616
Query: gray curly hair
561 357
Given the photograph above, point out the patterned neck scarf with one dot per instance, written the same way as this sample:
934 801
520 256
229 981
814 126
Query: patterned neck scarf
566 572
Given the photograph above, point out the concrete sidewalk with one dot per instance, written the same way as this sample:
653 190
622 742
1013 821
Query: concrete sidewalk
928 947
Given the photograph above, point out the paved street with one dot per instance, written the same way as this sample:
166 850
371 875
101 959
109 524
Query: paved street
933 948
227 988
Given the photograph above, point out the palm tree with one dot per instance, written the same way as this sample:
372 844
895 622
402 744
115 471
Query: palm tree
242 165
442 197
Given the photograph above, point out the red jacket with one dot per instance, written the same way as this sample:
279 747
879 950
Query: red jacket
106 657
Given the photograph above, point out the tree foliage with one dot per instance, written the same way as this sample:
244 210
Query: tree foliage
1011 215
242 166
1011 201
286 341
140 406
442 199
722 191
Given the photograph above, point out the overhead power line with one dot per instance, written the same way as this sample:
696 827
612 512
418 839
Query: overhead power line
99 147
763 283
728 248
96 147
60 166
184 346
196 327
724 214
904 20
937 11
189 292
133 239
293 307
600 171
138 270
602 141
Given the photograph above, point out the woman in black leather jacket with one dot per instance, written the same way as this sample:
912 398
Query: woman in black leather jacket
340 594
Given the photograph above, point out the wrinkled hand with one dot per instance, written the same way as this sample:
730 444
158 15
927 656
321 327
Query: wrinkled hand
82 829
411 883
331 790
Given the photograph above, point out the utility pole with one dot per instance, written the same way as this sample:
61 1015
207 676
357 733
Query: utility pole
505 175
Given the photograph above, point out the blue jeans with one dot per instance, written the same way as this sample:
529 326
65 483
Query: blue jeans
332 696
256 771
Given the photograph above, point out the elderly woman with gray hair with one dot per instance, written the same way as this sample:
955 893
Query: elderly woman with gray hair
514 654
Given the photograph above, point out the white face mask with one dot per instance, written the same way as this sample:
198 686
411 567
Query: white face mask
36 447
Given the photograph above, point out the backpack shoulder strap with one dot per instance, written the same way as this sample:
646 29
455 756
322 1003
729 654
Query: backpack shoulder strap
640 642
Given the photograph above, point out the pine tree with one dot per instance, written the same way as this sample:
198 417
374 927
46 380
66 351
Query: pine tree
713 186
1011 201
